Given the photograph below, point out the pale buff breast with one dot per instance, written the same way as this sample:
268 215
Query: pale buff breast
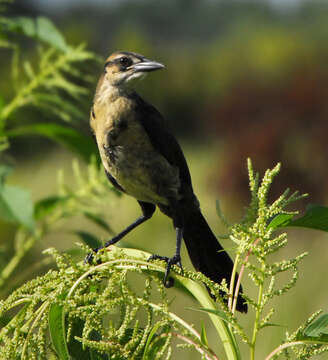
141 171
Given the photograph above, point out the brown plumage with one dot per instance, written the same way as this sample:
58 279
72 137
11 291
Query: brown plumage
142 158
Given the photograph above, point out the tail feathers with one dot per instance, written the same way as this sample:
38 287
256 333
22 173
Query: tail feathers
206 252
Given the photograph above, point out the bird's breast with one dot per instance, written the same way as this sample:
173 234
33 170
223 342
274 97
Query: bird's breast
128 155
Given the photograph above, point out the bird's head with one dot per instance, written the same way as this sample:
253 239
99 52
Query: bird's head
121 67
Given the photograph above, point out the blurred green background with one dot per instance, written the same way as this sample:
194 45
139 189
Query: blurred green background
242 79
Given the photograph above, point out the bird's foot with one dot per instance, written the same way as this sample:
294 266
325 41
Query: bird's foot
174 260
89 258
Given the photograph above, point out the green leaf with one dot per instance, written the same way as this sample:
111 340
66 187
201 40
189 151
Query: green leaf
99 221
69 137
151 336
216 312
56 321
56 104
203 336
315 217
88 239
16 206
28 70
40 28
47 32
318 327
154 344
22 24
280 220
45 206
60 82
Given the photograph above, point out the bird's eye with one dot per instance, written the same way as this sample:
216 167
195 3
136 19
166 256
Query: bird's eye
125 61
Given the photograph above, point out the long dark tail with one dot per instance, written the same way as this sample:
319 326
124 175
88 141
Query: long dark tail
206 252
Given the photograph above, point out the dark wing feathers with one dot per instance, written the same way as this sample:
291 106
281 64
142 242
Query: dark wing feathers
161 138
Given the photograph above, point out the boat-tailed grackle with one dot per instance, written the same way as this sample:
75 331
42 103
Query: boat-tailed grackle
142 158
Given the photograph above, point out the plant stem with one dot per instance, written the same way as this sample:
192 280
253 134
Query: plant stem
257 317
232 282
212 355
241 273
15 260
38 316
294 343
177 319
22 98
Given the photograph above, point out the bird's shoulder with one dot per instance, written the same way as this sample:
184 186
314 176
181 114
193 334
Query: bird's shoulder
161 136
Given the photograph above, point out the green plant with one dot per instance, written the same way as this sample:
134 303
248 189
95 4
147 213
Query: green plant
50 80
119 309
56 84
85 198
73 311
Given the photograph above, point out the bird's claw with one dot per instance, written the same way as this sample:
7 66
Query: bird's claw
174 260
89 258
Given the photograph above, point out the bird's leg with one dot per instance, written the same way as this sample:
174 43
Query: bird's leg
147 212
176 258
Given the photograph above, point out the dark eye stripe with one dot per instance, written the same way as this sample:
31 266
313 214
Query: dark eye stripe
108 63
129 53
123 62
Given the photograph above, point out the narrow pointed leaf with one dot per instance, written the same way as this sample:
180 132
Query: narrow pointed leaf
203 336
22 24
318 327
280 220
216 312
47 32
45 206
69 137
40 28
99 221
150 338
53 101
56 322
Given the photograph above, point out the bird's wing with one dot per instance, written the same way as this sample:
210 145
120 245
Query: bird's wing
162 139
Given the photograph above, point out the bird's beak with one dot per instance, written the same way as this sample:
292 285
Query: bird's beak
147 65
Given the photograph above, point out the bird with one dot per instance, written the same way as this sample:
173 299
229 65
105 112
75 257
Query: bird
143 159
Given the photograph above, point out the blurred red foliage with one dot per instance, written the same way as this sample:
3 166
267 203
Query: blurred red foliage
283 122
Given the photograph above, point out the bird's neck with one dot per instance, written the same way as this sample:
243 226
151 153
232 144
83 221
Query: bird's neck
107 92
